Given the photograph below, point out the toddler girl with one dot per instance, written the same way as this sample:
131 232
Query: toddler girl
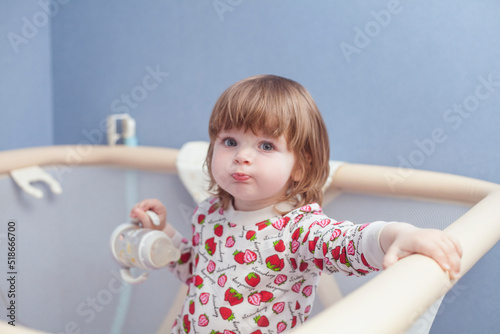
260 243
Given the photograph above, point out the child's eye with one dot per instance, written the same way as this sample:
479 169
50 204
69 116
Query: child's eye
229 142
266 146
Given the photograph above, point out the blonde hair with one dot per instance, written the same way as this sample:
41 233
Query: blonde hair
276 106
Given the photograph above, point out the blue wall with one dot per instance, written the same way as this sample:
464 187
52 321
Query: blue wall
25 76
411 83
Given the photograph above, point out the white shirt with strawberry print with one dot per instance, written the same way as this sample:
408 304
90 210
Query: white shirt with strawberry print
248 273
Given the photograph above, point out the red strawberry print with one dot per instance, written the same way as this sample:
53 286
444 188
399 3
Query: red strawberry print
196 239
261 321
350 248
198 281
297 305
296 234
362 227
307 291
279 307
210 246
306 236
218 230
191 307
231 225
293 263
312 244
204 298
279 245
281 326
336 233
298 218
308 309
267 296
233 297
213 208
281 223
255 299
203 320
318 263
325 248
306 208
226 313
186 324
262 225
239 257
211 266
251 235
184 258
363 259
303 265
294 321
252 279
280 279
336 253
201 219
222 280
294 246
248 257
230 242
257 332
323 222
274 262
343 258
296 287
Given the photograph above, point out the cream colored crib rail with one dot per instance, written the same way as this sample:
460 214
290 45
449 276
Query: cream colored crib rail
5 328
390 302
393 300
71 156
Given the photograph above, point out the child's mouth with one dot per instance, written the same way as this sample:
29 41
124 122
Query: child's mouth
240 177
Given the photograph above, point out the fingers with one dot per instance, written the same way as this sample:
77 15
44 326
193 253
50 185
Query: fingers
393 255
446 251
452 254
140 212
438 245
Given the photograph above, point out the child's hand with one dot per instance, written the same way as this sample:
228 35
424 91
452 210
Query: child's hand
139 212
400 240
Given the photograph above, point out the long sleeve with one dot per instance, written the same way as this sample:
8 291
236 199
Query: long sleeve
183 268
333 246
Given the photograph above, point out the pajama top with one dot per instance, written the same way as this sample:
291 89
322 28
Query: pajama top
257 272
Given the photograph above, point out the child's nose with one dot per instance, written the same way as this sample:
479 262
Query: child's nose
243 156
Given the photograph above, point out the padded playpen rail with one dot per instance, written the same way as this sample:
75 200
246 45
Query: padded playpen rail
390 302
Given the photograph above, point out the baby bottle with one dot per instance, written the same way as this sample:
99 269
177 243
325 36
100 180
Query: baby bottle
147 249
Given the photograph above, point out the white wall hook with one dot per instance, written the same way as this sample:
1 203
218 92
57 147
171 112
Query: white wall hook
25 176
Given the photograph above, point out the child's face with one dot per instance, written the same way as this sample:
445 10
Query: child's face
254 169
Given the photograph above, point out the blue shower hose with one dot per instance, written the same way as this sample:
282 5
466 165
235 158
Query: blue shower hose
126 292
